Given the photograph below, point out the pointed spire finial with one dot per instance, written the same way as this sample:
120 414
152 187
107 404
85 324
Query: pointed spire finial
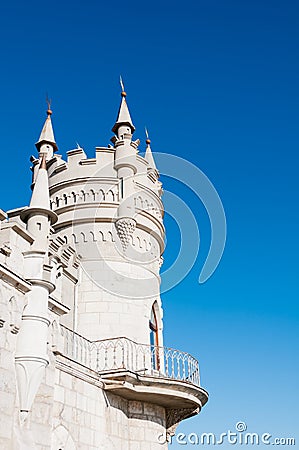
123 92
148 141
48 101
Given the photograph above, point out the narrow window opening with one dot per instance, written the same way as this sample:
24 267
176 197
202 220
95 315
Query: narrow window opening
154 339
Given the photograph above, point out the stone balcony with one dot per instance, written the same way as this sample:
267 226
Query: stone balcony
159 375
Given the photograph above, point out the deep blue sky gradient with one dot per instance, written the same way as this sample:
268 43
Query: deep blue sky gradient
216 83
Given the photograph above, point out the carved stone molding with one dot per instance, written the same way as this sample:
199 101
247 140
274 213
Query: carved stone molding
14 280
29 374
15 312
5 249
11 310
64 253
175 416
125 228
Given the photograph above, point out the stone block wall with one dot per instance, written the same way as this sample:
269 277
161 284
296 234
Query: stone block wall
87 418
7 386
78 409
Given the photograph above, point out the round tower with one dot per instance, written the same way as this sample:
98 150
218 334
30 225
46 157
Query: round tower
96 242
109 209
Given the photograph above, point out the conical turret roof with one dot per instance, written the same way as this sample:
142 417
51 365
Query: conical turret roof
149 155
123 116
47 133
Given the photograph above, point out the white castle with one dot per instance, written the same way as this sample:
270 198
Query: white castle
82 361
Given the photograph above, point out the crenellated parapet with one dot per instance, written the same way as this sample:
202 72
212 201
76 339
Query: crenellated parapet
89 192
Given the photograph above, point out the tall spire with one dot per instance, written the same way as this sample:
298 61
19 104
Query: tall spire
47 135
149 156
123 117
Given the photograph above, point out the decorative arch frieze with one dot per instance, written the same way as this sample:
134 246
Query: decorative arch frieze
85 196
144 204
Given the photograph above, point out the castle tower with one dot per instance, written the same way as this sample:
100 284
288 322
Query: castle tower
110 211
80 293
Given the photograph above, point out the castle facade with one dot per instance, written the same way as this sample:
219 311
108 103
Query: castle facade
82 360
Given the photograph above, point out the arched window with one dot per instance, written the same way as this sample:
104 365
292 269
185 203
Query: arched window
154 338
93 195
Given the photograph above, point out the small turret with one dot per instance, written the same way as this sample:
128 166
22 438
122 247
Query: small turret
126 165
149 157
31 356
46 143
123 125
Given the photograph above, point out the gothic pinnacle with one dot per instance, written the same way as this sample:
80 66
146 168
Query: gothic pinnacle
148 154
123 116
47 135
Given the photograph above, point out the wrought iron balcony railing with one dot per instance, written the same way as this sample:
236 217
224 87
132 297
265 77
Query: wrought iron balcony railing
123 354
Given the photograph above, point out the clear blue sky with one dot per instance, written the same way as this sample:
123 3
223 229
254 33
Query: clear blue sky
216 83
